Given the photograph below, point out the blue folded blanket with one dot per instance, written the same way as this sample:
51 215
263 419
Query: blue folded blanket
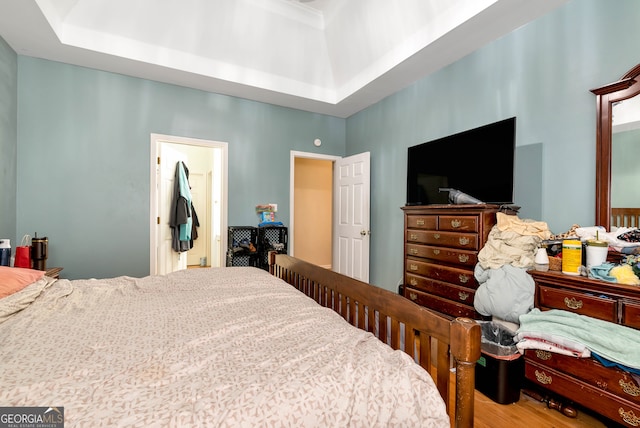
614 342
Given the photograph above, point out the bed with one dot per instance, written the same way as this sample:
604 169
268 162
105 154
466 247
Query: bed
233 347
625 217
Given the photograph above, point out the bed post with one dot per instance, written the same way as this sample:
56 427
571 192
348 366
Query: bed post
465 348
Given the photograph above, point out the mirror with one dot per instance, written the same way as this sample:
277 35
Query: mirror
616 112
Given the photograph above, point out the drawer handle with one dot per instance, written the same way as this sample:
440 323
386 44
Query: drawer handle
436 252
413 267
413 251
413 296
420 222
463 278
543 378
543 355
463 258
413 282
464 240
629 417
463 295
413 237
572 303
436 236
456 223
630 388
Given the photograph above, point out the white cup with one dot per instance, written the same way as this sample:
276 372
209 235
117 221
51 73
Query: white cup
596 252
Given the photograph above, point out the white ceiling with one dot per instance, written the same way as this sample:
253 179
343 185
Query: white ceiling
328 56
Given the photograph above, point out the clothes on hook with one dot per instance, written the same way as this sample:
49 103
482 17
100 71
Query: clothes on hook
183 221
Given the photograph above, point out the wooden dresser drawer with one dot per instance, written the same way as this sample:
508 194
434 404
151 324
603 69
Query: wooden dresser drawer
443 254
458 223
449 274
607 404
613 380
631 313
580 303
422 222
467 241
440 304
443 289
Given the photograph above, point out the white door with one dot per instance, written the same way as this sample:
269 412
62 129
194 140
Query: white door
351 216
168 260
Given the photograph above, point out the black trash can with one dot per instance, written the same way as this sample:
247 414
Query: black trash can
500 369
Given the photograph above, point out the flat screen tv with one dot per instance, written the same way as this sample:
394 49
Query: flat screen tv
478 162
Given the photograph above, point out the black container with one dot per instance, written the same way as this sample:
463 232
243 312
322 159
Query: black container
500 379
271 238
239 234
500 369
242 259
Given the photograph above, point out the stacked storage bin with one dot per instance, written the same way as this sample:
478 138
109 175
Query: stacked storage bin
271 238
242 246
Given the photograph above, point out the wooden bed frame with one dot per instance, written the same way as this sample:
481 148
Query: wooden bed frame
625 217
439 344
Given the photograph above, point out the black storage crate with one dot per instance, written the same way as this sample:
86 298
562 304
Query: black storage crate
271 238
242 259
242 246
238 236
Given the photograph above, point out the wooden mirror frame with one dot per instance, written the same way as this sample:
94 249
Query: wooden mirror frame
627 87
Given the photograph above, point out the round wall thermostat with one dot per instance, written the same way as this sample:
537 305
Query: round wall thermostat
317 142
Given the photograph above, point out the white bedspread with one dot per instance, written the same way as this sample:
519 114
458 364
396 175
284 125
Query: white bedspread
231 347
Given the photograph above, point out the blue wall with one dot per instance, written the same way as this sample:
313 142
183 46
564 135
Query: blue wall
83 158
541 73
8 140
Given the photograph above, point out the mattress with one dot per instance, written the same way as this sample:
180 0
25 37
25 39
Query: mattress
223 347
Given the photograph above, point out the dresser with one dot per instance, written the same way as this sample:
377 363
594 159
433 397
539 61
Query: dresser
441 245
610 392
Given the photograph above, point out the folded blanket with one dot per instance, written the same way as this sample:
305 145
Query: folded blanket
551 343
614 342
505 292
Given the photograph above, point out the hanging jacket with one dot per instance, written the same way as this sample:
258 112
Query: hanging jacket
181 218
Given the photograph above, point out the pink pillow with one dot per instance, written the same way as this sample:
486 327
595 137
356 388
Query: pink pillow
15 279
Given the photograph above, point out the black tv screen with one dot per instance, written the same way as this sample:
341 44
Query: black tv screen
478 162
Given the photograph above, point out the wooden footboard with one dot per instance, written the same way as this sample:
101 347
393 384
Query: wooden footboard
435 342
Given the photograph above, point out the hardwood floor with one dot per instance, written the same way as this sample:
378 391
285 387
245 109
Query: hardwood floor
527 413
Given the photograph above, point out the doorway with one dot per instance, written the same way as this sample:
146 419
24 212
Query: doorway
313 210
207 164
348 232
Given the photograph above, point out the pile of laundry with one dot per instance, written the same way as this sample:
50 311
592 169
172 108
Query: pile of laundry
506 293
505 288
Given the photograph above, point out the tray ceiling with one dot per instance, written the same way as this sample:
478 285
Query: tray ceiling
328 56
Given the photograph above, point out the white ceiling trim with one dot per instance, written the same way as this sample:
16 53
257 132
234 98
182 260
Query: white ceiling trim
335 58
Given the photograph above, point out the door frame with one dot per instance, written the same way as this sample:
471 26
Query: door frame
292 174
156 140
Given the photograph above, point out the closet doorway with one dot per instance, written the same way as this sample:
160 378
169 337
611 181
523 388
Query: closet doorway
311 219
207 164
329 217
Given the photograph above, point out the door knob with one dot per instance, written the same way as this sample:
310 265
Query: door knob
364 232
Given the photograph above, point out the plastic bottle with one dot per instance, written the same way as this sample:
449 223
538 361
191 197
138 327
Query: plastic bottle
571 256
5 252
